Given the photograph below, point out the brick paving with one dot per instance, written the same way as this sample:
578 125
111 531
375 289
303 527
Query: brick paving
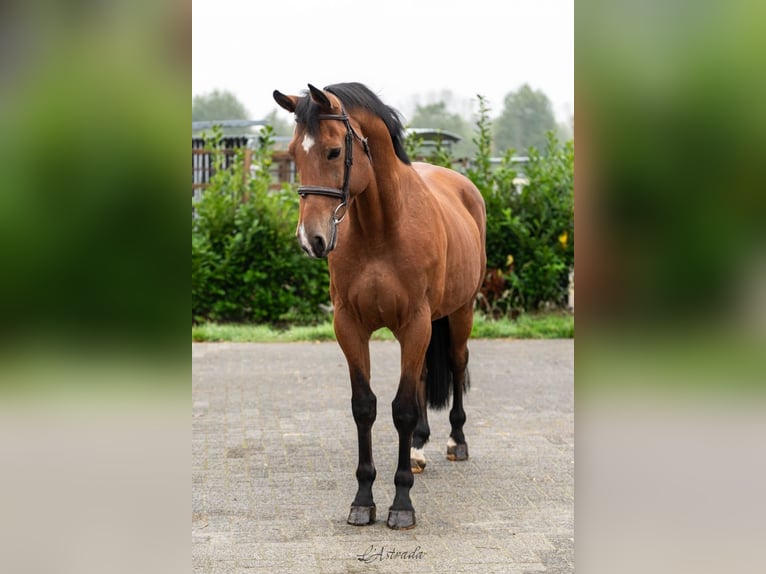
274 454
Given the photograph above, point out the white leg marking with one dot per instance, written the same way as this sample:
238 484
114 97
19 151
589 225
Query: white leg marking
417 454
451 442
308 143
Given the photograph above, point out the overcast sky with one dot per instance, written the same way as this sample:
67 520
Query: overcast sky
407 51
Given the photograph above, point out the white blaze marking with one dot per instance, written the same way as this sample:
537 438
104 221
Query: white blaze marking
417 454
308 143
451 442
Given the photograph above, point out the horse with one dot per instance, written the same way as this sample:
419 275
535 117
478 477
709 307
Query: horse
405 245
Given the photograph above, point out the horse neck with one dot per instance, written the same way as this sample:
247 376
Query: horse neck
378 208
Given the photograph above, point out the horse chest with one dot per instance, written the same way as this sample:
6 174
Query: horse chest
382 294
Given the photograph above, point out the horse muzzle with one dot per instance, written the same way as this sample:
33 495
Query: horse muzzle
318 243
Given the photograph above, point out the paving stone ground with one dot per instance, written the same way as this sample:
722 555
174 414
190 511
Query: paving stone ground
274 454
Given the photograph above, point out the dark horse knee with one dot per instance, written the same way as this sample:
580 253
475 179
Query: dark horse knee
405 415
363 400
364 407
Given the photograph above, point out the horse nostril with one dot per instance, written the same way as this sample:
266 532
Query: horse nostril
318 244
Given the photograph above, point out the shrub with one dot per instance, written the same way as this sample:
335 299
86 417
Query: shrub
246 264
541 239
530 232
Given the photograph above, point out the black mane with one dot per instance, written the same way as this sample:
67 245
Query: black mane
354 95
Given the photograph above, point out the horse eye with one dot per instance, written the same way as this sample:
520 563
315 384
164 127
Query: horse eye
333 153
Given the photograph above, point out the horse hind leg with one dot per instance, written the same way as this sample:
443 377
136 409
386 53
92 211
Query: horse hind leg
422 432
460 324
457 447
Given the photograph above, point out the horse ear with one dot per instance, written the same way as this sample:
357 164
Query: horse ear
320 97
287 102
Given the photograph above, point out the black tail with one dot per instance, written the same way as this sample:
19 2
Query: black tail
439 373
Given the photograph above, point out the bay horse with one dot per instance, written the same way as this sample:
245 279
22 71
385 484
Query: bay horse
405 244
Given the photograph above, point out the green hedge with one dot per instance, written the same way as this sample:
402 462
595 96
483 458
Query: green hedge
530 231
246 264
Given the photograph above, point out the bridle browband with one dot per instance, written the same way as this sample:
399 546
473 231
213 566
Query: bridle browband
348 161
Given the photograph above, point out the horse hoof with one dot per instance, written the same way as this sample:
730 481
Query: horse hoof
457 452
401 519
361 515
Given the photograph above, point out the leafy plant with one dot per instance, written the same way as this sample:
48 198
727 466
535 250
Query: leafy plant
412 144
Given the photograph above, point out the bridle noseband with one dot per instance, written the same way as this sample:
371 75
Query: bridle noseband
348 161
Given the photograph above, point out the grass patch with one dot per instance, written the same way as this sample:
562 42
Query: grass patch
552 325
558 325
236 333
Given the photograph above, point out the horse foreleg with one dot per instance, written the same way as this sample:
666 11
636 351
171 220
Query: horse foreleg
355 346
364 407
401 515
414 341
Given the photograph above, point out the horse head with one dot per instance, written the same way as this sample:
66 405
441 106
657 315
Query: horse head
323 148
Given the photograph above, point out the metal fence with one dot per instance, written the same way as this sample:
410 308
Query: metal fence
203 168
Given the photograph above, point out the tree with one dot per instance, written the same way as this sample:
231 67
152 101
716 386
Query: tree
526 118
218 105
